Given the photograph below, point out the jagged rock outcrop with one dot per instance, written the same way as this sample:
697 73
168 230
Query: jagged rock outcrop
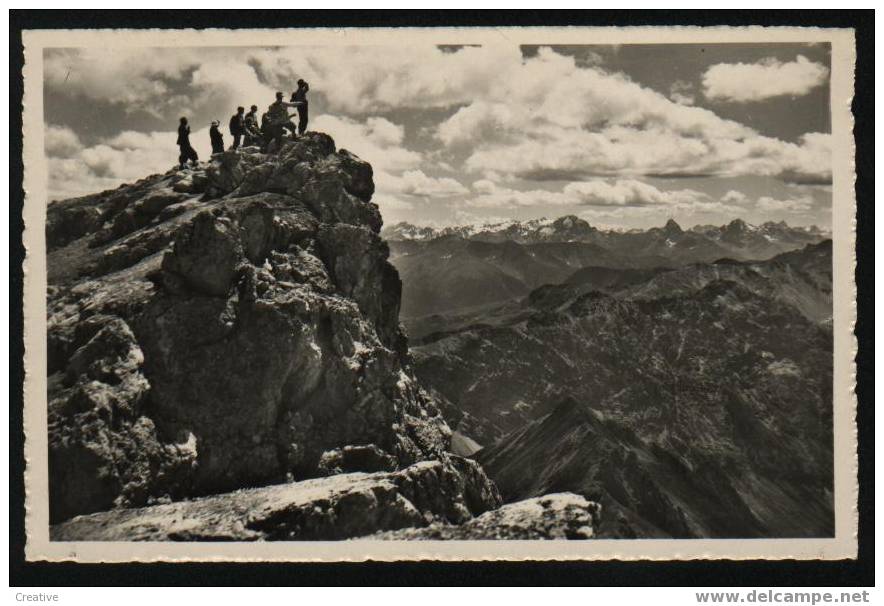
339 507
230 326
552 516
366 457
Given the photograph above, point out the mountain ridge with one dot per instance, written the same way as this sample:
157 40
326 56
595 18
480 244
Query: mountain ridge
571 227
225 362
455 270
724 367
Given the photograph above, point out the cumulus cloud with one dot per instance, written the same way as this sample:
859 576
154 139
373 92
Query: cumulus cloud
560 154
682 92
126 157
416 183
399 192
628 192
134 78
747 82
578 122
799 204
211 82
623 193
734 197
504 117
164 83
376 139
542 117
392 205
61 141
396 176
490 195
484 186
358 82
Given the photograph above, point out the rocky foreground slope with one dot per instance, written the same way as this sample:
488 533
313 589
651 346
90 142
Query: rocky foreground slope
236 326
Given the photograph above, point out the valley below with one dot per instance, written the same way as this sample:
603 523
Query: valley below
688 393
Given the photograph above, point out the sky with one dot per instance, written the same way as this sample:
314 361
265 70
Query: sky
623 136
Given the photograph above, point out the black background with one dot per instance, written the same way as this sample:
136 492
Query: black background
756 573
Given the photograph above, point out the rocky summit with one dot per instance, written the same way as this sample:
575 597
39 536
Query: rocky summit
225 338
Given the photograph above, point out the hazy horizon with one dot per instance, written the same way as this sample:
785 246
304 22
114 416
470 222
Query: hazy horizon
495 221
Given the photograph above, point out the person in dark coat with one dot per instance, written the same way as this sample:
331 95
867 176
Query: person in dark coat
265 122
279 120
252 134
300 97
187 152
216 137
237 126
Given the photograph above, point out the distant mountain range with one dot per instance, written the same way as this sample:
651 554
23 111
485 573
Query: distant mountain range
686 400
459 269
739 235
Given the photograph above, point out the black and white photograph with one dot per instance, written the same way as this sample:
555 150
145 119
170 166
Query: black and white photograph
563 291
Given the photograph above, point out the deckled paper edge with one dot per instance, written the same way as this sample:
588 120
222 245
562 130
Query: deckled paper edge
844 545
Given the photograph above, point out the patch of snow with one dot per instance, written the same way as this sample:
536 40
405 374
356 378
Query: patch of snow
360 348
522 406
403 382
784 368
189 445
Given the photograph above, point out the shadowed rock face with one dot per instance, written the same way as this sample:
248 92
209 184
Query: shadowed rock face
664 487
223 327
694 402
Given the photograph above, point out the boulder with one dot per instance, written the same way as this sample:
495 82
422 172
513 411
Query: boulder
553 516
357 174
327 195
339 507
206 256
356 458
225 173
357 258
103 451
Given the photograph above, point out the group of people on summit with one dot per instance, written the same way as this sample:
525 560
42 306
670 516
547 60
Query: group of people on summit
247 129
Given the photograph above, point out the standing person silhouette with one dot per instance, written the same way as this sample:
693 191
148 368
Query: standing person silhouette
300 97
217 138
251 130
237 126
187 152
